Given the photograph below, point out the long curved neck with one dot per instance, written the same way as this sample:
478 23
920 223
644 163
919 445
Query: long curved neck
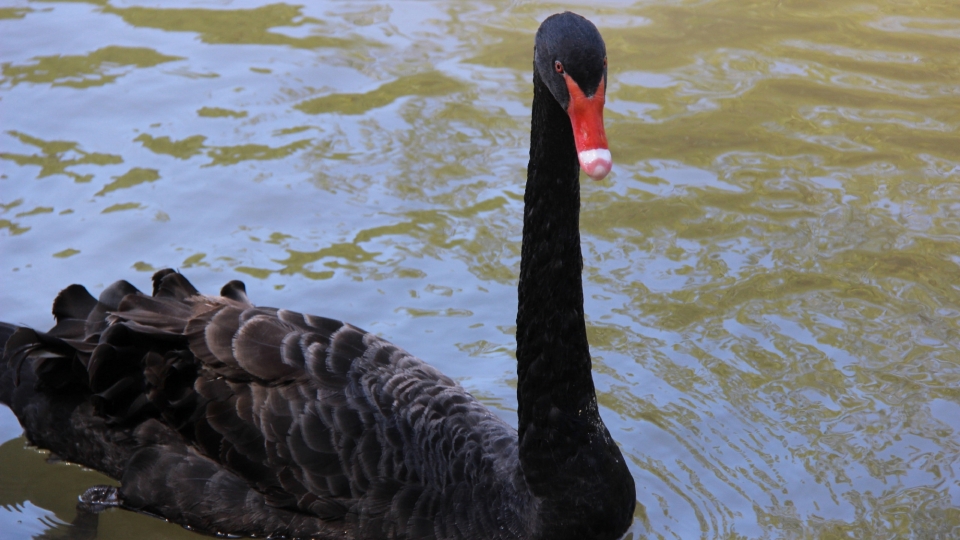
567 457
555 391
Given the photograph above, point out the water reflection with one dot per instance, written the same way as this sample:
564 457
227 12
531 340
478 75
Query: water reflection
770 271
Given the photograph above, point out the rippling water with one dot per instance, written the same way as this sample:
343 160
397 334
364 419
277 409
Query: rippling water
772 271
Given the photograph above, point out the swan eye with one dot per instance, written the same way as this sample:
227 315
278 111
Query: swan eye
604 63
558 66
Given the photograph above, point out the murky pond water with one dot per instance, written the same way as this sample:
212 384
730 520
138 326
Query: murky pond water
772 271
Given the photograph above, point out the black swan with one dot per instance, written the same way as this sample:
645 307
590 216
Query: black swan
235 419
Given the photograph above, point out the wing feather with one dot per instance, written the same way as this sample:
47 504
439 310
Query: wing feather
296 413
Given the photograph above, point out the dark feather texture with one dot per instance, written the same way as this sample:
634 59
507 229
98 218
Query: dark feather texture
232 418
264 421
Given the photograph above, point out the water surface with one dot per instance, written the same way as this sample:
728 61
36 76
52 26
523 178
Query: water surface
771 270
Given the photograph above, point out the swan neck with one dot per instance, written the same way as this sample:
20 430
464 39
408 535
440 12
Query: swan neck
555 388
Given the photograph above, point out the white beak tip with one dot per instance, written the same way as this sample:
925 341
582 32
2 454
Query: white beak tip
596 162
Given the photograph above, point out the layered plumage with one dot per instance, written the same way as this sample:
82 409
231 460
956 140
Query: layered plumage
232 418
273 422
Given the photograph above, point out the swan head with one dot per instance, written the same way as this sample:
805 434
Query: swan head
571 59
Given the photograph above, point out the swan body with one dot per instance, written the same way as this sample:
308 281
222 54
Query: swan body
231 418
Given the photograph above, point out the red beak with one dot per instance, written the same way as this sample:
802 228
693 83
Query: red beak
586 115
